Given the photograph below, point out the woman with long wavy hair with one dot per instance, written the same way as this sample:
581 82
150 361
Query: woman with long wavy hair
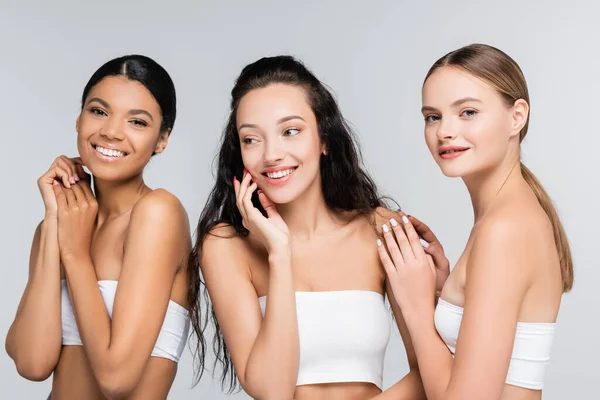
285 246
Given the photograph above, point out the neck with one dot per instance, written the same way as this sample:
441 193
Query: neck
116 198
308 214
485 186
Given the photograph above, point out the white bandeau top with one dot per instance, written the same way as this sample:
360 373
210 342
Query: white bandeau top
531 350
343 336
171 339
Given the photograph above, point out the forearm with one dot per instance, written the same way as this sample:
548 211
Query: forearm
93 320
408 388
434 358
34 339
272 367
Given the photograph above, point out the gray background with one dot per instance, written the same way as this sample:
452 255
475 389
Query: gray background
374 55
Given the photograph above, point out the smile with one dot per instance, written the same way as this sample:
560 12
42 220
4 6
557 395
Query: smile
279 174
109 152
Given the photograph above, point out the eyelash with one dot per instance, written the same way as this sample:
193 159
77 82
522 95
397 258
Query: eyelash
291 129
429 118
100 112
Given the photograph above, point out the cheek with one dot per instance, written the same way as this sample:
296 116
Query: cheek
431 140
252 158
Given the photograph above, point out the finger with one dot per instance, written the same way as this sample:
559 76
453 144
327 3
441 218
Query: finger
77 160
386 261
61 199
413 238
402 240
422 229
69 168
71 201
247 200
238 188
87 190
267 204
395 252
80 196
243 186
62 174
243 189
69 163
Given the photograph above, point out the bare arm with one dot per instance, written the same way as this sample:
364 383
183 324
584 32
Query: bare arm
265 353
410 387
155 247
34 339
497 281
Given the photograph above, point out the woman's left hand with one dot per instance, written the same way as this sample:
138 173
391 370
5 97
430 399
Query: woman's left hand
411 272
77 210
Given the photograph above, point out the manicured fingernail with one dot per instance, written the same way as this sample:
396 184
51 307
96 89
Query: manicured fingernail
404 219
385 228
76 177
393 222
233 180
54 183
72 180
379 242
424 243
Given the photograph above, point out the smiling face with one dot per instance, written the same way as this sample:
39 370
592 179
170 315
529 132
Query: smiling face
279 140
119 129
469 128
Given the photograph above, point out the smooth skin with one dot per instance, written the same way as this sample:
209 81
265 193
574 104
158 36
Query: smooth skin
509 270
301 245
126 232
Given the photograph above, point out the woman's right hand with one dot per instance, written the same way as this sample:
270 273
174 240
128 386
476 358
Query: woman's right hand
64 170
272 231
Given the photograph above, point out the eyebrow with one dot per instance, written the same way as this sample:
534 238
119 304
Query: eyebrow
455 104
280 121
131 112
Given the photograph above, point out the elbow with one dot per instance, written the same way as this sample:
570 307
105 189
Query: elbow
34 370
116 385
269 389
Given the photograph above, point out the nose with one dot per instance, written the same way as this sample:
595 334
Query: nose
273 151
112 129
446 130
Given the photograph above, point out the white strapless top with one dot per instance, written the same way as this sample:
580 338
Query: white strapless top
343 336
171 339
531 349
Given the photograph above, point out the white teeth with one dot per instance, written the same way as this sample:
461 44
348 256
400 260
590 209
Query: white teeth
109 152
279 174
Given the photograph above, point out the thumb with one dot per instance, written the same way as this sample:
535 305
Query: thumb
267 204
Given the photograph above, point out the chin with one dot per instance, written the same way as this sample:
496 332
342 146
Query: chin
281 195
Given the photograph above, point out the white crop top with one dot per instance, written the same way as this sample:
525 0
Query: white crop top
343 336
171 339
531 349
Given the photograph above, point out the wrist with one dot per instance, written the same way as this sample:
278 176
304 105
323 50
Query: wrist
418 318
280 256
69 258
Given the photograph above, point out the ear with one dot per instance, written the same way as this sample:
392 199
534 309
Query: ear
520 115
324 149
77 123
162 142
